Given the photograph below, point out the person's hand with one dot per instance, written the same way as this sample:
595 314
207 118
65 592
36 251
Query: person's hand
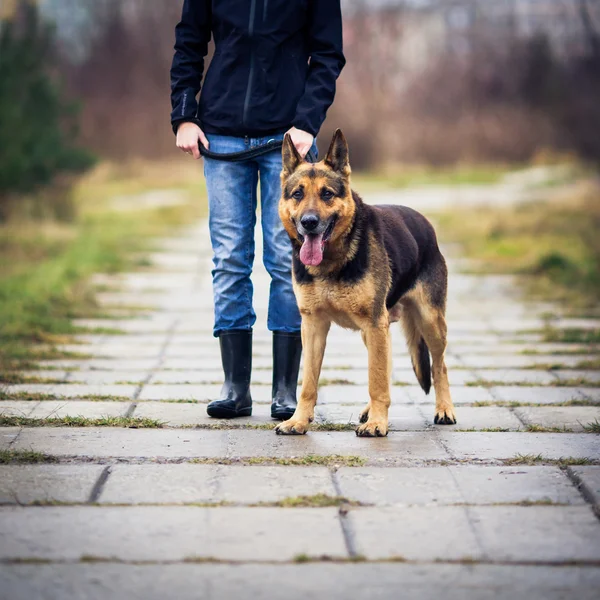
188 136
302 140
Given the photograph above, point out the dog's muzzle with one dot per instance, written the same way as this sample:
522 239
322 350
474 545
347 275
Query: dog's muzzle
314 233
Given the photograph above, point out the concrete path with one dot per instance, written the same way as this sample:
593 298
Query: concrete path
503 505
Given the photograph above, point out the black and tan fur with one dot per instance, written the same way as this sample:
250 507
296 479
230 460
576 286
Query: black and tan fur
381 264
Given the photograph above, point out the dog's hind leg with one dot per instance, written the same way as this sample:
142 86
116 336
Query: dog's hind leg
314 338
427 304
378 344
434 332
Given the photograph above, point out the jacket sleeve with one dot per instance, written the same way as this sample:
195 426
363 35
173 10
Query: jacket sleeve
326 62
192 36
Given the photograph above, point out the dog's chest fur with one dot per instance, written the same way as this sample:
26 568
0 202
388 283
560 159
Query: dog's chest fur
348 305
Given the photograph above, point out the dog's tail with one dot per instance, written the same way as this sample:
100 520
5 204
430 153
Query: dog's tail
422 365
419 352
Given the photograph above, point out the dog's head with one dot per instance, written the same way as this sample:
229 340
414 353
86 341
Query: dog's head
316 204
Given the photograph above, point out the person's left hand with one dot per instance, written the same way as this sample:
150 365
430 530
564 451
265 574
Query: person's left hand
302 140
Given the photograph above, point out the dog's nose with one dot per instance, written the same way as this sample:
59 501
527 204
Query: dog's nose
309 222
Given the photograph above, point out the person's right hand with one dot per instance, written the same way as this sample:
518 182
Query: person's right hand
188 136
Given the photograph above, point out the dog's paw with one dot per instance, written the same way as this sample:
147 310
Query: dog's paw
445 416
364 414
372 429
292 427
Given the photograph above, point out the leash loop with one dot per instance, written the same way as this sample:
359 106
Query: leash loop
249 154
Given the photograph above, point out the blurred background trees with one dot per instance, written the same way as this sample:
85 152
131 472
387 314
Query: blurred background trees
427 81
37 125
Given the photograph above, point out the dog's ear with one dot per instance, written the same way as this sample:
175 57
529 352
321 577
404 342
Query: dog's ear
338 156
290 156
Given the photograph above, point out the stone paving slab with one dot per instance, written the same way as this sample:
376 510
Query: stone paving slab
102 364
116 351
8 436
488 446
546 350
181 414
575 374
109 377
415 533
590 478
539 395
157 324
400 446
572 418
74 390
99 442
168 533
16 408
26 484
379 581
180 392
498 533
521 361
508 376
77 408
460 395
484 417
456 485
188 483
538 533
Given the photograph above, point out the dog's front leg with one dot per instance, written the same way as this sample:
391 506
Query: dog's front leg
377 339
314 338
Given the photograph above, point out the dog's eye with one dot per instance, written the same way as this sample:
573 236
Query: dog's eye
327 194
298 195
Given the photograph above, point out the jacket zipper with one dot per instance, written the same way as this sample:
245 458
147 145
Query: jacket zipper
251 73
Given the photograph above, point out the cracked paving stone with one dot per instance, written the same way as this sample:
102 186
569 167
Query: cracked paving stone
590 477
26 484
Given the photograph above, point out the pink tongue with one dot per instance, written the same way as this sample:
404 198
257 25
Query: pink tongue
311 253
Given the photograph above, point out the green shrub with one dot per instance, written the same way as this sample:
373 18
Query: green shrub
37 125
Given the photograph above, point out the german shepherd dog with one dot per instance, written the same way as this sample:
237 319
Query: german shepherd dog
362 267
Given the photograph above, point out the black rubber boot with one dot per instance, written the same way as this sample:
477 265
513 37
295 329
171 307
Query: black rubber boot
236 356
287 350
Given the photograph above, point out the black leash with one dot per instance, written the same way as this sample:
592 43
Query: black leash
251 153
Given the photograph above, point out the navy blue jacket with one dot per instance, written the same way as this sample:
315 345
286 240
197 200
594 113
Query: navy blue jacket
275 65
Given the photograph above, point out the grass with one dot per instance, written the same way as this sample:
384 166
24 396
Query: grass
39 397
22 457
572 382
12 377
593 427
591 365
535 428
315 501
45 265
329 460
408 176
515 404
534 459
571 335
79 421
555 244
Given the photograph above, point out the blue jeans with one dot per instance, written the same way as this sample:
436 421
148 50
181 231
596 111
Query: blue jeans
232 200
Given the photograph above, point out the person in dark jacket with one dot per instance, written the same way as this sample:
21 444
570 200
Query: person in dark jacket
273 72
